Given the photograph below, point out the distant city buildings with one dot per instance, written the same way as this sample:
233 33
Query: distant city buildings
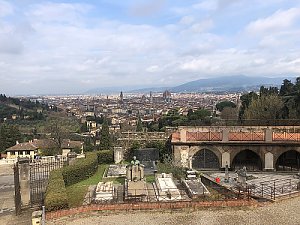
124 110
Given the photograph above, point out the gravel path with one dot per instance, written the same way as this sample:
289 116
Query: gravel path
286 212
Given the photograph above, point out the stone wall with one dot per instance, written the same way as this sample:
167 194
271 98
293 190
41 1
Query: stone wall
150 206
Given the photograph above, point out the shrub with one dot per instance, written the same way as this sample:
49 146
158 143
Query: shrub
105 156
81 169
56 195
178 172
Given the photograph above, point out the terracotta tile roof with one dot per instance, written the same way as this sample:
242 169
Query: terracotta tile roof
71 144
44 143
26 146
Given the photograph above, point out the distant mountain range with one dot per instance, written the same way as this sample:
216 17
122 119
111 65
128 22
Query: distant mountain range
228 83
218 84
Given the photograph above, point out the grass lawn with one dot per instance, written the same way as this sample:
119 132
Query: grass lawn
76 192
150 178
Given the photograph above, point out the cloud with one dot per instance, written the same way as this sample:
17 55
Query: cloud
221 4
208 5
10 45
58 12
280 20
148 8
202 26
5 8
187 20
73 47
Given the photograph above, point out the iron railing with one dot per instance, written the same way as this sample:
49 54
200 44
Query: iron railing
171 195
273 189
39 175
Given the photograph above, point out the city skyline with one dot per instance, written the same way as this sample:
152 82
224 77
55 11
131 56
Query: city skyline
61 47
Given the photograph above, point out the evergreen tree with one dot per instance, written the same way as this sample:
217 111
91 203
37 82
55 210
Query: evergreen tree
286 88
139 126
8 136
221 105
105 139
264 108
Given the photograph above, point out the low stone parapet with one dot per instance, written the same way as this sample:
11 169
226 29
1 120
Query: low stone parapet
150 206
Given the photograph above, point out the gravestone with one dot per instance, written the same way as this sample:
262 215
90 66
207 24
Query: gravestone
226 174
148 157
135 185
104 191
147 154
135 170
242 176
118 154
116 170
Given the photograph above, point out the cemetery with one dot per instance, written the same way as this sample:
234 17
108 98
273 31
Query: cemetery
165 187
145 182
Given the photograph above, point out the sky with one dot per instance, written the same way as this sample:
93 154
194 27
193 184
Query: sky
71 46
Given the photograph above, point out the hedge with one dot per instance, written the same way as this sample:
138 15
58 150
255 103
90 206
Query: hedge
105 156
56 195
81 169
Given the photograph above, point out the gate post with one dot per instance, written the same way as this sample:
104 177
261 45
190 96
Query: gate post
17 189
24 181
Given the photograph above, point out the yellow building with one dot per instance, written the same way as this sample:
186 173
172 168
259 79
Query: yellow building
27 149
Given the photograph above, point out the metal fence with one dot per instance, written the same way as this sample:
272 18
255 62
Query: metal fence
172 195
275 188
39 174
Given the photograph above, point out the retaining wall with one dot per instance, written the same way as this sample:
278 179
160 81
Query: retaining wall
149 206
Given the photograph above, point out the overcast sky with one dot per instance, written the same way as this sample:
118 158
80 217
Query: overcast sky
73 46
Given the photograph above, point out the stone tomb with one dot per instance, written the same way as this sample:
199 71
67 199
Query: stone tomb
116 171
104 191
135 170
166 188
135 186
195 188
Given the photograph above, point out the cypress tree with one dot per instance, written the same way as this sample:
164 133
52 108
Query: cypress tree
105 140
139 126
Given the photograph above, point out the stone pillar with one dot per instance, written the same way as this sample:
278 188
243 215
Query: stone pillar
118 154
268 135
24 182
190 162
269 161
225 159
128 173
183 135
177 155
184 155
225 134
